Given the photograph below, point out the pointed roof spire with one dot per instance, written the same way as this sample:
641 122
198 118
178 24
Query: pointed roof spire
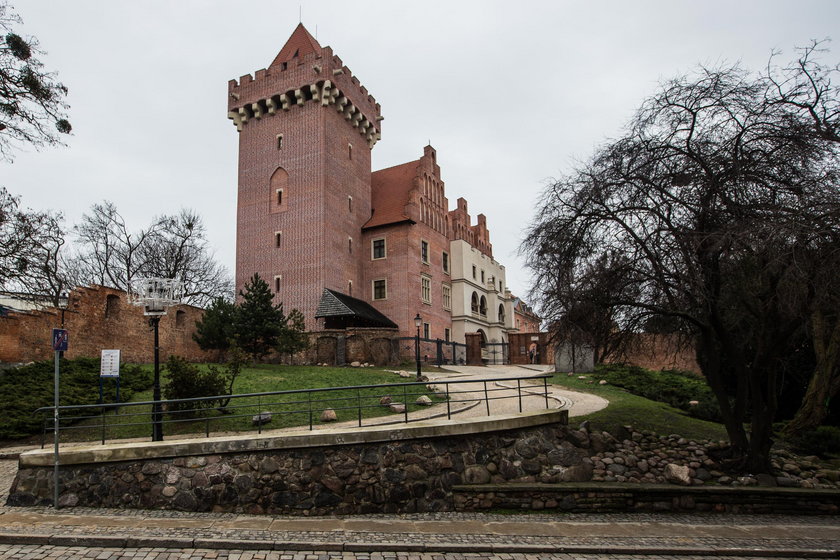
299 44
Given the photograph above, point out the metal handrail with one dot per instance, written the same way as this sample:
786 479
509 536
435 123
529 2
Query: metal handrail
73 417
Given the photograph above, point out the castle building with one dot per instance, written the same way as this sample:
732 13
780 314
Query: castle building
346 246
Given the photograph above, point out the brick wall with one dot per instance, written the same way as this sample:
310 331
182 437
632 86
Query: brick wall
99 318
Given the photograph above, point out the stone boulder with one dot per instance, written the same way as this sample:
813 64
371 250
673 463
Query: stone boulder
385 401
261 418
677 474
397 407
328 415
423 400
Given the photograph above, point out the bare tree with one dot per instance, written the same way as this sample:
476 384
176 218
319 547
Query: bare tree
110 254
179 249
32 262
720 190
32 107
113 255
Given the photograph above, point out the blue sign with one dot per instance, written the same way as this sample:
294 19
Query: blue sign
59 340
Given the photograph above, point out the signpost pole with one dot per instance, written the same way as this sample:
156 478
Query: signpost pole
55 433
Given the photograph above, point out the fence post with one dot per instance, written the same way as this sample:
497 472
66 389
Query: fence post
545 390
405 401
448 408
486 399
519 392
359 395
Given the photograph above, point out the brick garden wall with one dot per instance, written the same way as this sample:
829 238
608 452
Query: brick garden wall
100 318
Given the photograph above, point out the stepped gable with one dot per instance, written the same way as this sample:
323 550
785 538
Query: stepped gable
390 190
300 44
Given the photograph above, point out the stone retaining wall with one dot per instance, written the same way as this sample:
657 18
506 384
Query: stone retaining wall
608 497
408 469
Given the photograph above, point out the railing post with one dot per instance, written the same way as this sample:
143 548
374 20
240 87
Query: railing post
519 393
259 414
545 390
405 402
486 399
448 408
309 401
102 417
359 397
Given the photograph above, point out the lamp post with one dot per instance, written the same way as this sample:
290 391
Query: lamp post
59 344
417 321
63 303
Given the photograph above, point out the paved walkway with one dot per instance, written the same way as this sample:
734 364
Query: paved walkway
504 393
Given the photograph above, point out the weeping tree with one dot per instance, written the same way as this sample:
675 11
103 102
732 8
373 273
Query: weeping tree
722 200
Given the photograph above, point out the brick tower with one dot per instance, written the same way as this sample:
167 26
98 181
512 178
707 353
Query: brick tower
306 129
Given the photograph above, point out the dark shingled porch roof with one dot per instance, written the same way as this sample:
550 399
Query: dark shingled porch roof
342 311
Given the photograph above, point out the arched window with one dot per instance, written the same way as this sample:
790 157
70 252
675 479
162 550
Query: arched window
501 313
482 307
112 307
279 184
474 303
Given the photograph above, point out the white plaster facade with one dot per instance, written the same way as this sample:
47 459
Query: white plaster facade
473 272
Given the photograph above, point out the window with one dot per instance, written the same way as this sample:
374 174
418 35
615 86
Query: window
112 307
350 204
445 261
501 313
350 245
424 251
426 330
180 319
278 197
378 249
473 272
278 235
500 286
349 287
482 277
482 307
277 283
447 297
474 303
426 289
380 289
279 141
447 335
349 151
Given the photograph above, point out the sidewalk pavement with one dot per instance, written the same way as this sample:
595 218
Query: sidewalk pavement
627 534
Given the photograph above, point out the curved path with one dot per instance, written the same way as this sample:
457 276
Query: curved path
505 394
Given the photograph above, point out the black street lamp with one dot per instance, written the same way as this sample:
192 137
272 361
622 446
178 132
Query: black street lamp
63 303
417 322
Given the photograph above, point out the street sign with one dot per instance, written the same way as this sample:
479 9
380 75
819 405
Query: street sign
59 340
110 364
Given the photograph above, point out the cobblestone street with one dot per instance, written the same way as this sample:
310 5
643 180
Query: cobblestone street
29 552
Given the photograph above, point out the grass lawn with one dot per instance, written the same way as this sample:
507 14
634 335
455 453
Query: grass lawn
287 410
641 413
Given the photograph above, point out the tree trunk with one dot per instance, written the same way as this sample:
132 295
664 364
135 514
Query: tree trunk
825 383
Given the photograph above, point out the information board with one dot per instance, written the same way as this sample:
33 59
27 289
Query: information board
110 364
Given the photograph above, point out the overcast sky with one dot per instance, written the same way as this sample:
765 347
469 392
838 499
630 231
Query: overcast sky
510 94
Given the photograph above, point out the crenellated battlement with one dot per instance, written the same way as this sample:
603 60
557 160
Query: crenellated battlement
319 77
323 92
